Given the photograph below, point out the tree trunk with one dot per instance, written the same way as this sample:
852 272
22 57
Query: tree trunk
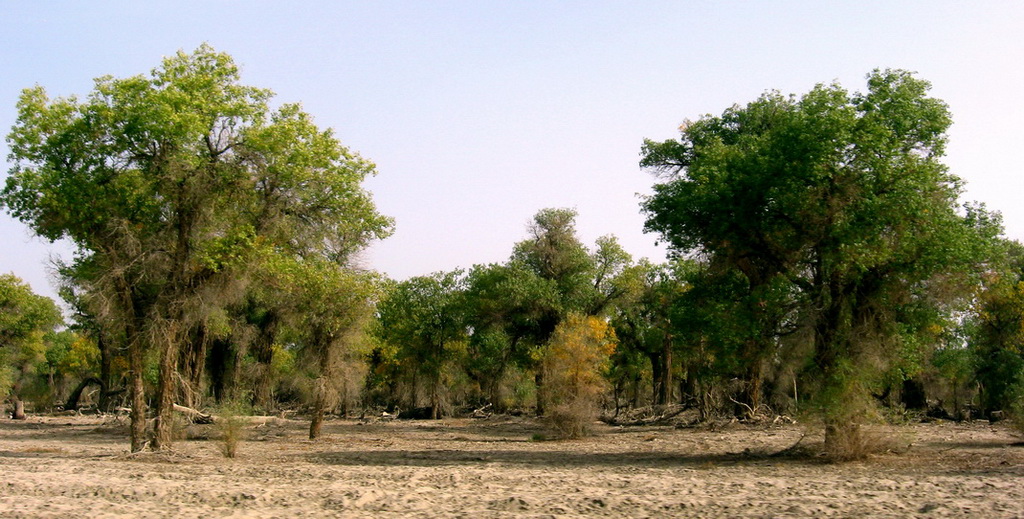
223 369
263 392
319 408
665 393
19 408
76 394
656 374
137 394
106 373
753 394
538 379
166 390
435 398
193 364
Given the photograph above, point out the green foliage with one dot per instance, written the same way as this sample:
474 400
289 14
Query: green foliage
190 179
997 333
838 205
70 354
25 321
423 318
23 314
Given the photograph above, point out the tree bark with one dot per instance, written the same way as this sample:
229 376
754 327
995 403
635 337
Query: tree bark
138 398
19 408
435 398
163 435
106 371
665 393
319 408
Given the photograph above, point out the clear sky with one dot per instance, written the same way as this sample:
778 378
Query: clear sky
479 113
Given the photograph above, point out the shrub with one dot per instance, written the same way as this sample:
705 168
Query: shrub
574 365
230 424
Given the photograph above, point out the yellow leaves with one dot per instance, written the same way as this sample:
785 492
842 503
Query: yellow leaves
577 356
82 356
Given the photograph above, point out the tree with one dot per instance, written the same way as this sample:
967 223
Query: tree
327 314
505 305
644 327
574 365
189 177
555 254
841 195
423 317
25 318
997 341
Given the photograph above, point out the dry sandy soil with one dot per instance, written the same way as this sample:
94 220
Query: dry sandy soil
80 467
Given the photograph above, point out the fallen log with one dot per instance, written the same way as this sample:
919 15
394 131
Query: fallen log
194 415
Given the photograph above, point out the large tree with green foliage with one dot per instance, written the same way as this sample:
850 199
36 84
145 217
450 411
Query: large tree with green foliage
843 195
171 185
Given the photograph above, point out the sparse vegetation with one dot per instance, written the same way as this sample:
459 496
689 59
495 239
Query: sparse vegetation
231 419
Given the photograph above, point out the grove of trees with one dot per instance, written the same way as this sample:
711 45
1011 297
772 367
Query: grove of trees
821 263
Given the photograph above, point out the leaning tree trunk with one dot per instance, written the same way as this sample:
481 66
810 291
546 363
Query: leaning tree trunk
72 402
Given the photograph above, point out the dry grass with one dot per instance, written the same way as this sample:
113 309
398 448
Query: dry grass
854 442
573 419
230 423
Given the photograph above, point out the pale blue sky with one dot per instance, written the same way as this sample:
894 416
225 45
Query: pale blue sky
480 113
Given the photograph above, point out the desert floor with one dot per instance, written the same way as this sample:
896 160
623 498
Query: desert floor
79 466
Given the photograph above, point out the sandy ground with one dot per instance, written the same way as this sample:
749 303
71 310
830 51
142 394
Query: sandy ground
493 467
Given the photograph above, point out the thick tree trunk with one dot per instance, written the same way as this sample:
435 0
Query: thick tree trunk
656 374
263 390
19 408
753 389
166 389
223 369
